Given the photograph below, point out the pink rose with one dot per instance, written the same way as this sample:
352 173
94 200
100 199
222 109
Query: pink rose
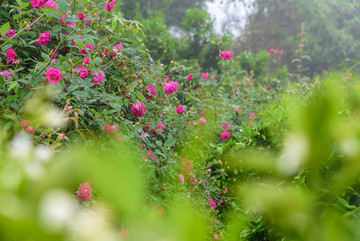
271 51
31 130
10 33
110 5
252 115
226 55
190 77
212 204
180 109
280 52
205 75
98 78
202 120
51 4
225 135
10 53
213 76
54 76
38 3
119 47
84 74
138 110
152 93
171 87
85 191
87 60
90 47
81 16
44 39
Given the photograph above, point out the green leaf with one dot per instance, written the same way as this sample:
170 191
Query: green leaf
97 61
159 143
24 5
170 142
2 80
8 125
81 93
53 14
63 6
72 88
88 40
345 203
12 85
5 28
56 29
140 96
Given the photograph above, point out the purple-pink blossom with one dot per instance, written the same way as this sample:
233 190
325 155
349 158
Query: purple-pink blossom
110 5
138 109
212 204
171 87
51 4
226 55
225 135
54 76
44 39
150 92
205 75
10 53
98 77
10 33
85 191
202 120
38 3
180 110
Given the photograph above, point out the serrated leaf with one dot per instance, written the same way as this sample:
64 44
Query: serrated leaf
2 80
63 6
24 5
88 40
54 14
8 125
71 88
12 85
81 93
5 28
170 142
97 61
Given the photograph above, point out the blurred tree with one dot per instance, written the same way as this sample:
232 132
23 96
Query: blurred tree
331 30
174 10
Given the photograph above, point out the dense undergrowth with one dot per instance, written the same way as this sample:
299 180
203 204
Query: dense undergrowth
99 141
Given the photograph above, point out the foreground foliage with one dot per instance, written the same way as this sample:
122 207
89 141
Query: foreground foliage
99 141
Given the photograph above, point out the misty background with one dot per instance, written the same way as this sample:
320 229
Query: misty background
322 34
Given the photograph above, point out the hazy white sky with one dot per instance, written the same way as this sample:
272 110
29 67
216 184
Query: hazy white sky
228 16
